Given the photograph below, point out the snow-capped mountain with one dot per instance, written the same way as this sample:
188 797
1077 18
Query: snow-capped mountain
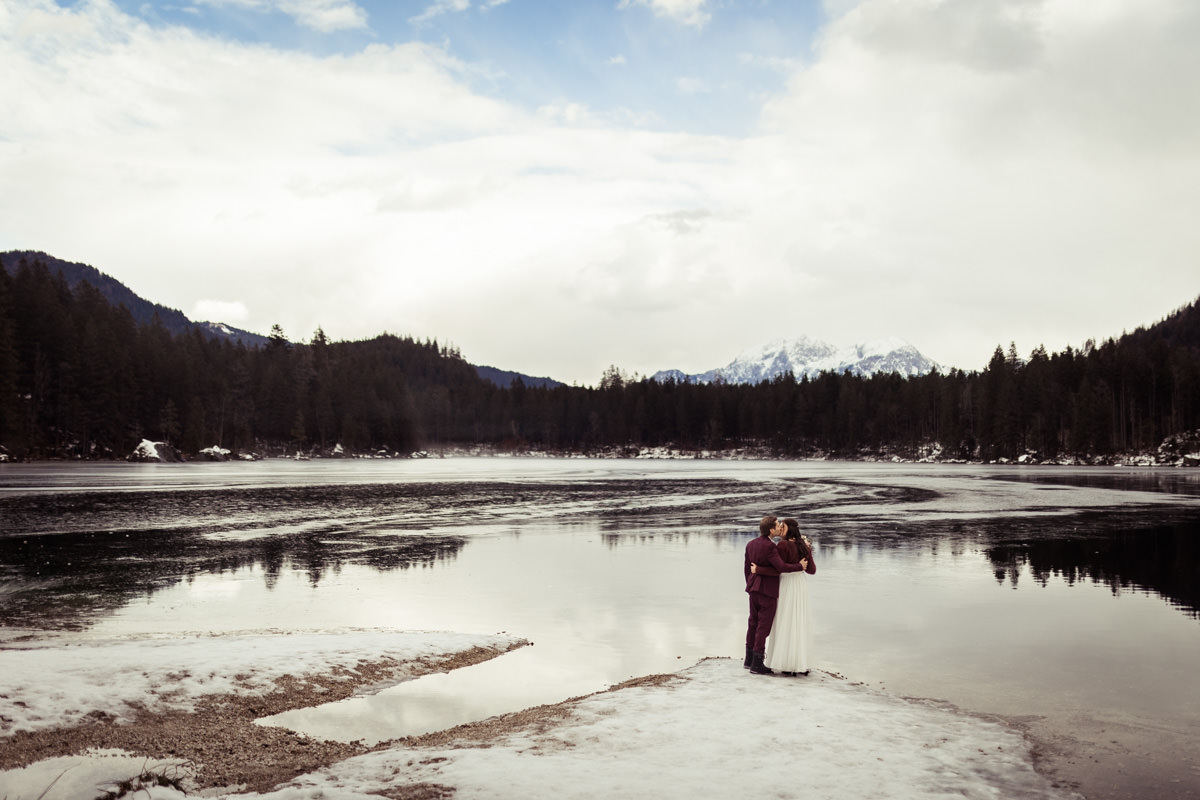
804 356
221 330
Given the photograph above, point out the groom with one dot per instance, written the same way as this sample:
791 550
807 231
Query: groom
763 586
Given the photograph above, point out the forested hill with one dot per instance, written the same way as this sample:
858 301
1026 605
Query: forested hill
506 378
118 294
1180 331
82 377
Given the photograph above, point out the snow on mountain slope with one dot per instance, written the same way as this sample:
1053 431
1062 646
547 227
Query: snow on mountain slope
805 356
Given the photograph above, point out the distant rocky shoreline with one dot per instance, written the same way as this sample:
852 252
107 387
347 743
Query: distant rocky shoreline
1181 450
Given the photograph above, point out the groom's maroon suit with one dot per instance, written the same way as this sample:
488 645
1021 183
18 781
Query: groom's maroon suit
763 590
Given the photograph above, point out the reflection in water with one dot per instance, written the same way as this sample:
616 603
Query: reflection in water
1164 559
64 581
66 558
620 576
612 540
1115 548
1170 481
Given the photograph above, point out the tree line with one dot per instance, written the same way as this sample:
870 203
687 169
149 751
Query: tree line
79 377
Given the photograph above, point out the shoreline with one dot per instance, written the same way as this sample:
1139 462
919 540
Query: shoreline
219 737
1168 455
220 751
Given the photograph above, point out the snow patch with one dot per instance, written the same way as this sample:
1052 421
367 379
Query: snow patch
215 453
712 730
92 775
65 682
717 731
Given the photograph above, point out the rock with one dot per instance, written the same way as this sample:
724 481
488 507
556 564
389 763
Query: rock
214 453
155 452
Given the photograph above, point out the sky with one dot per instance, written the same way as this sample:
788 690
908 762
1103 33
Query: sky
557 187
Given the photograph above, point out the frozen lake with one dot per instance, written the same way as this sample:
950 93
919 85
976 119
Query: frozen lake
1065 600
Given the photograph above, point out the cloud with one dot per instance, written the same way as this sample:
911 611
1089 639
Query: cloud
960 176
1031 153
660 263
219 311
774 63
439 7
984 35
324 16
686 12
263 164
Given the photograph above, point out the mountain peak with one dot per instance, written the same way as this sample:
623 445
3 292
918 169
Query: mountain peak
803 355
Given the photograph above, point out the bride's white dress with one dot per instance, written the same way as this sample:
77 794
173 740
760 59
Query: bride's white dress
789 647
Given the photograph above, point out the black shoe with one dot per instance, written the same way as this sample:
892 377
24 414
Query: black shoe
758 667
749 657
790 674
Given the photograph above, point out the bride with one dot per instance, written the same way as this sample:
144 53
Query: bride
789 647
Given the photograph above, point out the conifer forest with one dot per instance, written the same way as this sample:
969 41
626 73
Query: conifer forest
81 378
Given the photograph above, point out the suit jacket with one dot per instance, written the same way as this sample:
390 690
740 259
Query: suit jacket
762 551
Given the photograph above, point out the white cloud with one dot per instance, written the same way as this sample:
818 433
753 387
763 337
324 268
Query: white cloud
1034 154
325 16
617 60
686 12
439 7
839 8
775 63
692 86
959 176
219 311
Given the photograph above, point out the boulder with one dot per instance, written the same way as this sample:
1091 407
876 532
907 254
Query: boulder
155 452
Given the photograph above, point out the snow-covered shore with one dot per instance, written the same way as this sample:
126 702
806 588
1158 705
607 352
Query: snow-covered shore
710 730
65 681
714 730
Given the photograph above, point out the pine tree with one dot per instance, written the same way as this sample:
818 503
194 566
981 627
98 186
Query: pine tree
168 422
9 413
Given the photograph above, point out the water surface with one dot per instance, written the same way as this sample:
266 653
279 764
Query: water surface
1063 599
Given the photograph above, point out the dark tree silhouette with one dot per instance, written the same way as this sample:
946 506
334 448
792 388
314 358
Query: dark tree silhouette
80 377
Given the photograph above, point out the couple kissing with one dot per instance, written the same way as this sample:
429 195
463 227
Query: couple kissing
779 633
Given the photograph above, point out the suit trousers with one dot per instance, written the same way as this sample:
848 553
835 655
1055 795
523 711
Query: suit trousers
762 614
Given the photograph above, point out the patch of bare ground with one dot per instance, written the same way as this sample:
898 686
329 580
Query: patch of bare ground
538 720
418 791
220 736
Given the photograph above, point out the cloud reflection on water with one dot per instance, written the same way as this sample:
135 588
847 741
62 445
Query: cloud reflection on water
1045 593
72 556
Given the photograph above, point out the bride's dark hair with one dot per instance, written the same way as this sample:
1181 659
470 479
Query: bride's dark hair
793 528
